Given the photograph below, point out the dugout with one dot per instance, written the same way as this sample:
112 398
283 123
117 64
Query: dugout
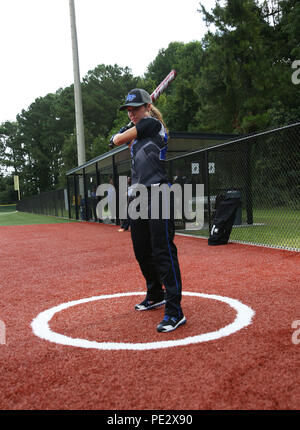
186 160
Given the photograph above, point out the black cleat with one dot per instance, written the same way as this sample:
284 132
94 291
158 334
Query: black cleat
170 323
148 304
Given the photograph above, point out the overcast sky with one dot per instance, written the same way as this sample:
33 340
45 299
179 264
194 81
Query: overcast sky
36 50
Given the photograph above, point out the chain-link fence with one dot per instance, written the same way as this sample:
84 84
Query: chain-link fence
265 170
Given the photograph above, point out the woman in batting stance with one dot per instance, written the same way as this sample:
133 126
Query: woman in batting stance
152 239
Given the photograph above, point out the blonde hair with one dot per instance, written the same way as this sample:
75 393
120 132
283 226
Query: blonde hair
155 113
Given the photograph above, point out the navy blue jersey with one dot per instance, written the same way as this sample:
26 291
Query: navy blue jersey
148 153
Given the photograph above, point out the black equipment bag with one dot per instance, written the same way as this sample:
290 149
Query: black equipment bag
226 210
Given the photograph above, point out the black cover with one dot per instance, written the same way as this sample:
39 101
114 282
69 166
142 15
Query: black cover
226 209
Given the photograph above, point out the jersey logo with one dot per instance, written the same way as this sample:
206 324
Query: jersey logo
131 149
163 153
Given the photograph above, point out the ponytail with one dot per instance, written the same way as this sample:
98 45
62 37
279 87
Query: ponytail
155 113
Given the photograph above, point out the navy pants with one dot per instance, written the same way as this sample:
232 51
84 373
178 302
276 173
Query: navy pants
156 253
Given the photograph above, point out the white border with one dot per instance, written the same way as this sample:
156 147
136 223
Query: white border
41 327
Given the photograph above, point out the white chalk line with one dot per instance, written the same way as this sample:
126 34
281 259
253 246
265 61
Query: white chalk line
40 325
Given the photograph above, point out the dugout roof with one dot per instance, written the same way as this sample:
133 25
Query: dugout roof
180 143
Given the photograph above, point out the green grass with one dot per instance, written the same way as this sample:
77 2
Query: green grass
9 216
276 227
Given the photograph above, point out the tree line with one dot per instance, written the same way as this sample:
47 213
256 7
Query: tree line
237 79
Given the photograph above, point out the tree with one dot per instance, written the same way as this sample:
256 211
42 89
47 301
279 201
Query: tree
42 146
102 90
7 193
181 99
43 138
11 148
246 76
286 106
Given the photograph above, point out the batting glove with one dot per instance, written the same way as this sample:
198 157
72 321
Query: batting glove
126 127
111 141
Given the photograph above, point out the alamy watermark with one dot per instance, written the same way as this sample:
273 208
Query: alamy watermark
2 333
159 201
296 74
296 333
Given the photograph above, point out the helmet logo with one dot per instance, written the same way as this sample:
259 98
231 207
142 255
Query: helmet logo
130 97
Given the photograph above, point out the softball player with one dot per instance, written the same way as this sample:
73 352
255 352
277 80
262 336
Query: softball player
152 239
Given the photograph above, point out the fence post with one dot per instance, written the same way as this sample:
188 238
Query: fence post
116 185
85 191
69 197
76 197
97 175
248 184
207 190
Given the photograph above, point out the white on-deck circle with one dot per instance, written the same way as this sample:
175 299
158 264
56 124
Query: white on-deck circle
41 327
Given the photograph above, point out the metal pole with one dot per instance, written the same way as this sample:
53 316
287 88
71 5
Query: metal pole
116 185
208 191
77 89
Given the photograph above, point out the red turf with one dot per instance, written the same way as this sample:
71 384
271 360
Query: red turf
46 265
